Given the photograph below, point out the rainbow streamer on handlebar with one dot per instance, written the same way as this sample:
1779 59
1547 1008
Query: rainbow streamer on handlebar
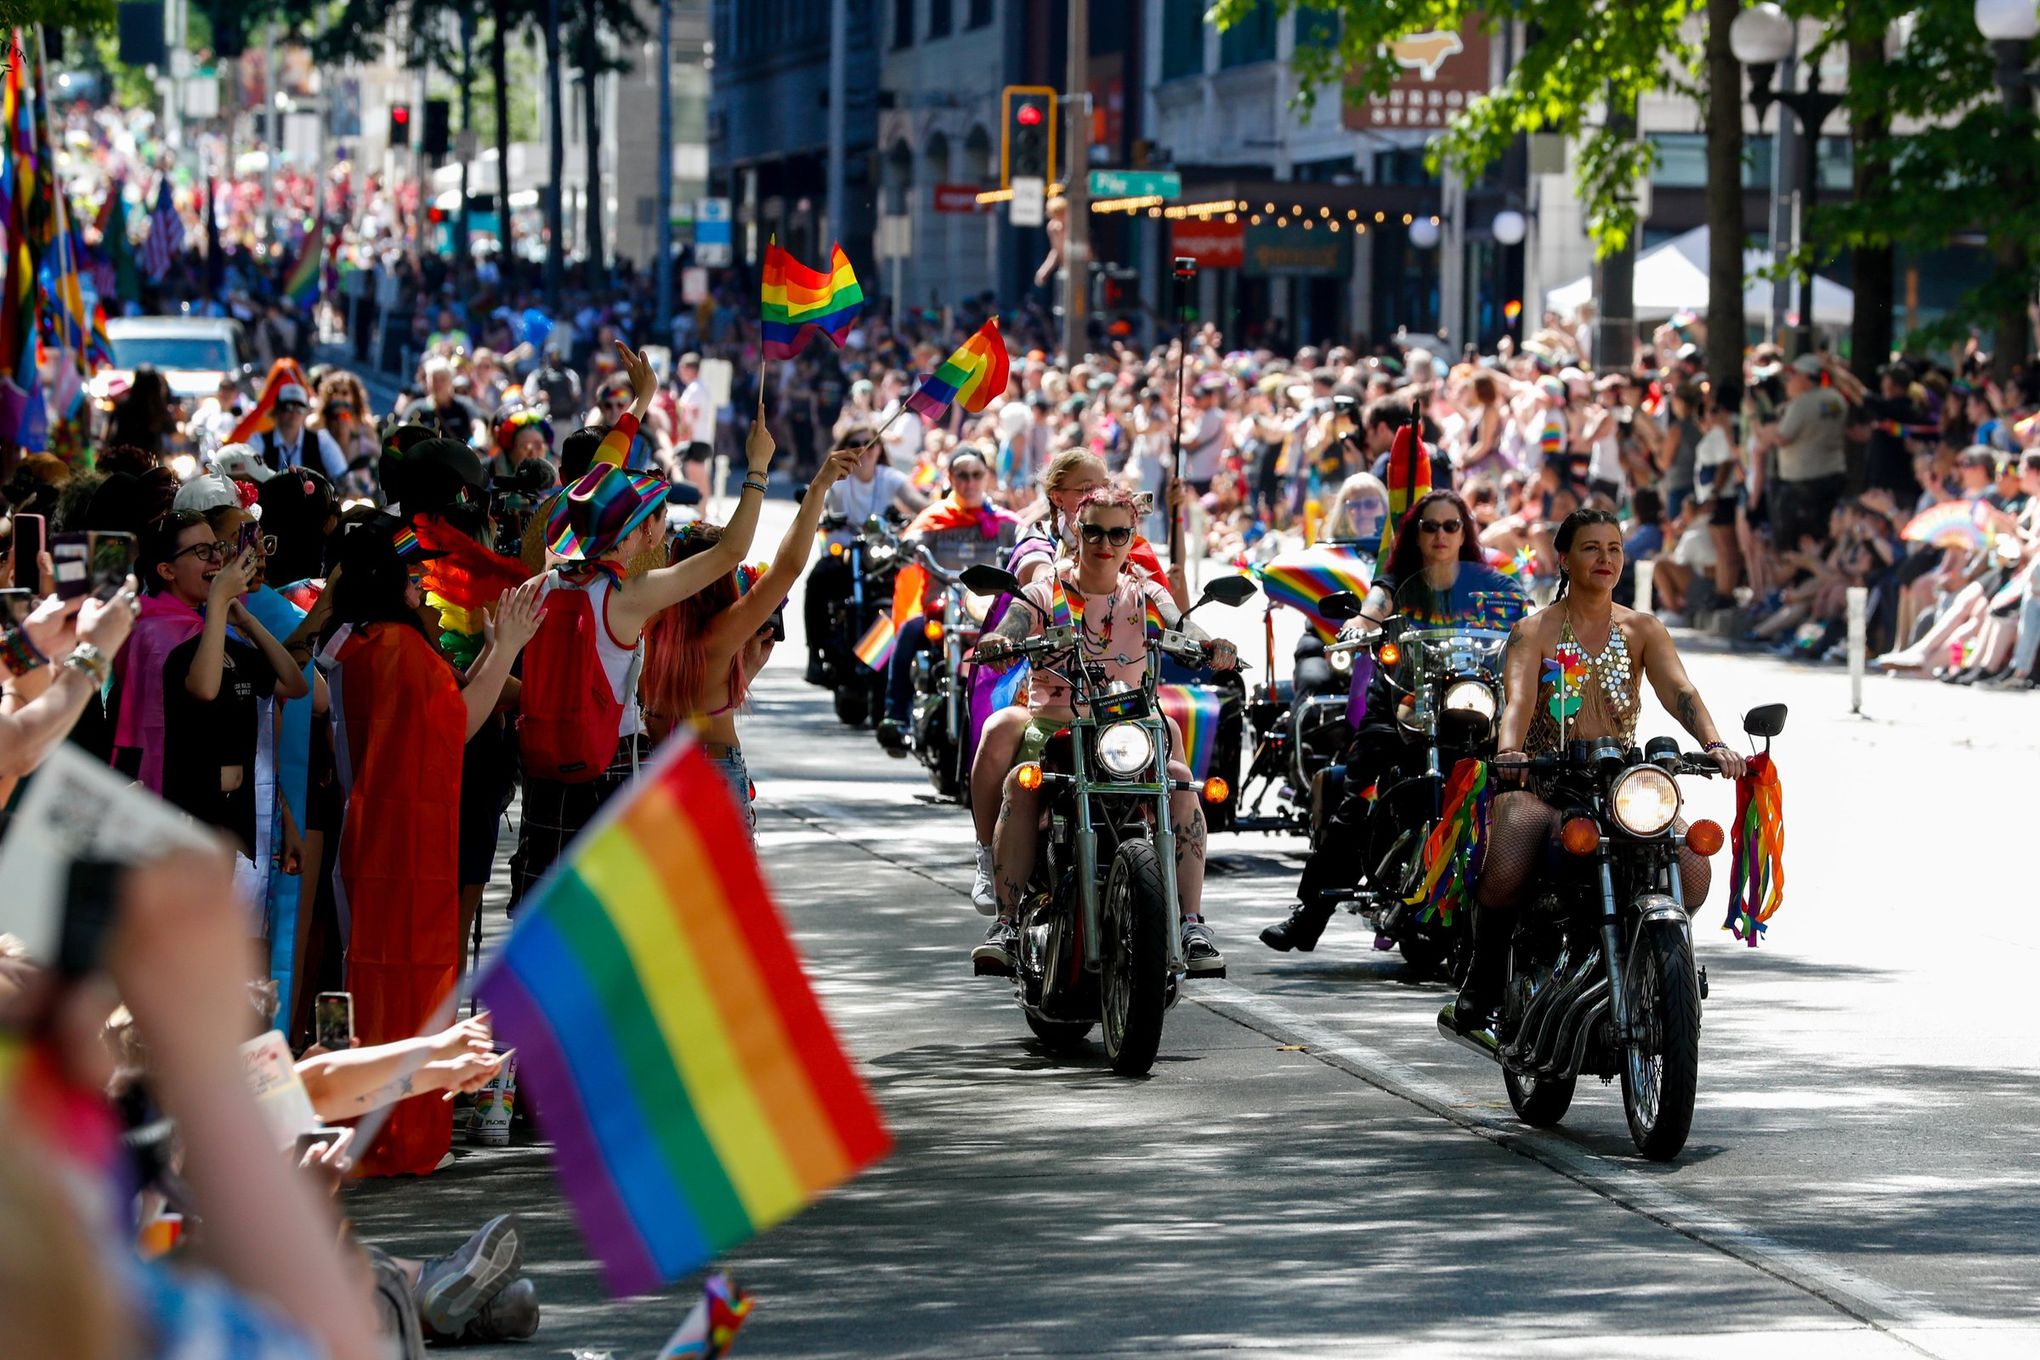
1452 849
1756 876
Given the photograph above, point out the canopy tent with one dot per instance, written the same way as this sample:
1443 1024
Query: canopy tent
1672 276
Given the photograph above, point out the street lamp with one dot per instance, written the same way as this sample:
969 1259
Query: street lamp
1761 37
2010 26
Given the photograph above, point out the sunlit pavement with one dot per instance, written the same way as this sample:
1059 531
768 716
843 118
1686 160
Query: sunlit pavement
1311 1170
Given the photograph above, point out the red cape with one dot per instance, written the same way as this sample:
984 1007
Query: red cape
399 862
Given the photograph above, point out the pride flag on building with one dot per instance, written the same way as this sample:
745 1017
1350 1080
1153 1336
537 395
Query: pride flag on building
971 377
798 301
690 1083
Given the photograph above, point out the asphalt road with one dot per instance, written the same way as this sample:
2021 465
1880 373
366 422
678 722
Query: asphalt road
1311 1170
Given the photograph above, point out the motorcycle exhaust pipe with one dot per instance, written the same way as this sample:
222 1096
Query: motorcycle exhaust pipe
1571 1031
1547 1005
1480 1041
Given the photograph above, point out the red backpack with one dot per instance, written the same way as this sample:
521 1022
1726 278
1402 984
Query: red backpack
571 717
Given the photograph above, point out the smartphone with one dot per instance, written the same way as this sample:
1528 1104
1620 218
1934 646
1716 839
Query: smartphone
31 539
251 531
16 604
312 1138
333 1020
95 563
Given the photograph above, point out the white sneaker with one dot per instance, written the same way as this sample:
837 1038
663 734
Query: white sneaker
982 895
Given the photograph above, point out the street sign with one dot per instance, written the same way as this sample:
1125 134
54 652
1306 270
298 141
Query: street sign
712 241
895 236
958 198
1136 184
1029 206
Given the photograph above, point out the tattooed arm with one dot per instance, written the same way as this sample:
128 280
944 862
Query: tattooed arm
1015 628
1676 691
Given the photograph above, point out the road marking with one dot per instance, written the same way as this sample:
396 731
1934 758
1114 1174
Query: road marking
1859 1297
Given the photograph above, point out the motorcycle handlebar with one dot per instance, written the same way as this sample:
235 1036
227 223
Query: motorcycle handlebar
1697 763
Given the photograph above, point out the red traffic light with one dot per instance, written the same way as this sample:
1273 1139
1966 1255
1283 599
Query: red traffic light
399 114
1028 115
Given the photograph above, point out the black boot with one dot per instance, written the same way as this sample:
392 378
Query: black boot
1300 931
1486 972
817 668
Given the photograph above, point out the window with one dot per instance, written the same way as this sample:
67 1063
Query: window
1402 166
938 18
1182 38
980 13
1316 28
903 23
1251 40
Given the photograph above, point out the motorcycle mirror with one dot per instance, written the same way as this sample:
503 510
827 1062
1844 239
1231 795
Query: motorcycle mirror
1232 591
1340 604
989 580
1766 721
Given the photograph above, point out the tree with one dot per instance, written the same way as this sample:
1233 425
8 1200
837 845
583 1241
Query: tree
556 158
1726 324
503 17
593 20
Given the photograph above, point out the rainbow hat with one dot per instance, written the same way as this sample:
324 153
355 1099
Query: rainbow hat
593 515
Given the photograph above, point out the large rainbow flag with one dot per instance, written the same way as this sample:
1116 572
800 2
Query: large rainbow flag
301 285
1409 481
971 377
1303 579
693 1090
798 301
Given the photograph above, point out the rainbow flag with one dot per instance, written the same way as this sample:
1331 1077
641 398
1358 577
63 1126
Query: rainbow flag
1304 578
1409 481
875 648
971 377
798 301
301 285
1156 624
1061 612
693 1090
1195 710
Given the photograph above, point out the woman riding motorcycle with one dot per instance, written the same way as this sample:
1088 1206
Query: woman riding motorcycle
1072 475
1110 606
1437 542
867 491
1575 672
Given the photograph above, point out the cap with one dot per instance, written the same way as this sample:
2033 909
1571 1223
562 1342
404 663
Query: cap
1807 364
241 462
207 492
290 394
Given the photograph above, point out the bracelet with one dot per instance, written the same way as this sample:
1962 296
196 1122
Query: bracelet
757 486
87 660
17 653
1717 746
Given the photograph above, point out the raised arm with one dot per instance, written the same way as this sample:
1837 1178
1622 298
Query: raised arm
769 591
208 663
644 385
290 672
508 625
638 598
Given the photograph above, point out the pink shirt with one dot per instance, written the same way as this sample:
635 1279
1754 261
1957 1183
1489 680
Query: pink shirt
1120 615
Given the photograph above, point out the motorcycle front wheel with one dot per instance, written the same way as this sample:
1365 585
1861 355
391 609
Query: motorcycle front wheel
1058 1036
1661 1065
853 701
1540 1101
1134 990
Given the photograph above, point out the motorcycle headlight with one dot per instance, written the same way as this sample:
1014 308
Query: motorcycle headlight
1340 662
1645 800
1472 698
1125 750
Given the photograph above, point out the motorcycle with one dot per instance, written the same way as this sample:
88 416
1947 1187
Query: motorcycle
1299 729
941 713
1601 975
872 556
1442 655
1099 943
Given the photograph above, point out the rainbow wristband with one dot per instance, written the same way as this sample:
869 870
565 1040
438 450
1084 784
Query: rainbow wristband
17 653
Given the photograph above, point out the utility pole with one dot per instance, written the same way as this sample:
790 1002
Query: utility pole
1076 102
1615 276
662 296
839 96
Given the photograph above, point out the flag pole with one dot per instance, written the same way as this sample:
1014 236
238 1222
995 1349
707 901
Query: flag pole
888 424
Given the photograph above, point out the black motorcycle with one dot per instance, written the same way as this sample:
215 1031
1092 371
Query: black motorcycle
941 715
1601 974
872 559
1441 656
1099 943
1298 728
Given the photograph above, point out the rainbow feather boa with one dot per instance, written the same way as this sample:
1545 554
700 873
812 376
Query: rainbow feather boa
1451 852
1756 876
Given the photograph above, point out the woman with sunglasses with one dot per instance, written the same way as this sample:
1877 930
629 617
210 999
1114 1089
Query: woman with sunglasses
966 507
1112 606
1436 545
702 654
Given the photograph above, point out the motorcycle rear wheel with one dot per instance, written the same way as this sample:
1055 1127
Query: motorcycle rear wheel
1661 1067
853 701
1058 1036
1427 955
1134 988
1540 1101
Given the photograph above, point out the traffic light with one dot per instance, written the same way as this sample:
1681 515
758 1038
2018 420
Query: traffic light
400 127
1027 149
437 137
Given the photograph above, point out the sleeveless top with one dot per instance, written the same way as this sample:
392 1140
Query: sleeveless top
1597 696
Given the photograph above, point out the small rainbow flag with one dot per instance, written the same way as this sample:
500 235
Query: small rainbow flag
1304 578
971 377
693 1090
798 301
1060 611
875 648
301 285
1156 624
1195 710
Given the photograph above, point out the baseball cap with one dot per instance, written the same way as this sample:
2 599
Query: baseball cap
207 492
1808 364
290 394
241 462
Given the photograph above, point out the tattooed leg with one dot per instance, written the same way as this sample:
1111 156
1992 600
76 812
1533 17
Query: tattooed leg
1186 812
1013 842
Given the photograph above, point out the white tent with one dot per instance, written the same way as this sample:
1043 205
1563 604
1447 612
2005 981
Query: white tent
1672 276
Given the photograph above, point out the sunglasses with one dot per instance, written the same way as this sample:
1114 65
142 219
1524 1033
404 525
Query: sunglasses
1118 537
1441 526
967 476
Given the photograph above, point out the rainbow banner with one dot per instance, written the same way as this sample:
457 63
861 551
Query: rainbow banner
971 377
301 285
1303 579
693 1090
1194 708
875 648
798 301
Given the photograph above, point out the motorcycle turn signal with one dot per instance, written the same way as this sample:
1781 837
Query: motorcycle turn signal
1215 790
835 550
1388 654
1705 838
1580 836
1028 776
932 630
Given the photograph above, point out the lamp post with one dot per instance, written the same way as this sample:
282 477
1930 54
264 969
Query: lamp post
1761 37
2010 26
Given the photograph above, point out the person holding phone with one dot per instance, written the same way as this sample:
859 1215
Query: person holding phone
42 699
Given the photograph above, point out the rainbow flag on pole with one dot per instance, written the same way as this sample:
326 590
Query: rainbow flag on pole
1304 578
1195 710
693 1090
971 377
875 648
798 301
301 285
